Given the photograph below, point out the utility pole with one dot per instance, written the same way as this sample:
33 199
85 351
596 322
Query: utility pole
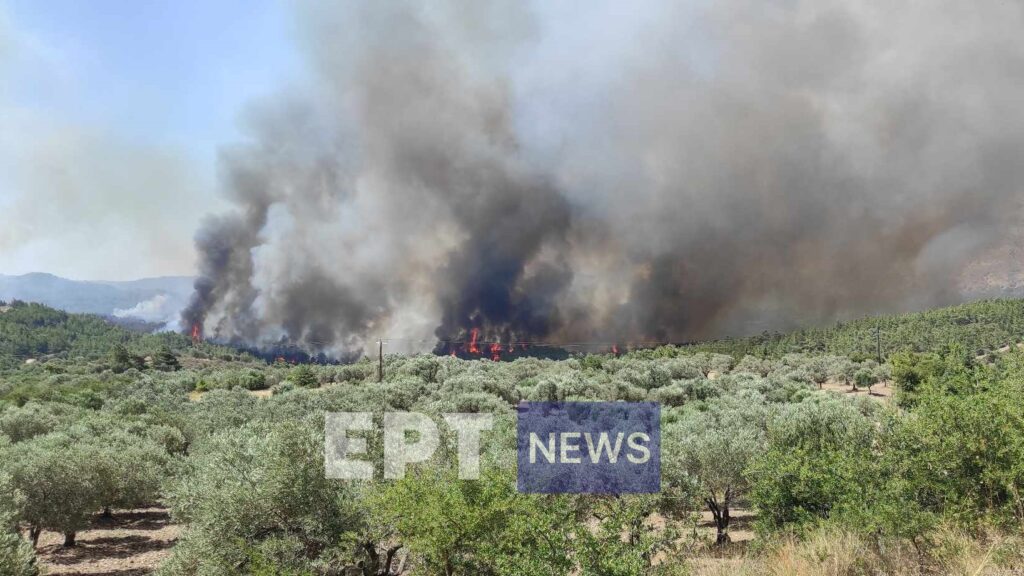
380 360
878 343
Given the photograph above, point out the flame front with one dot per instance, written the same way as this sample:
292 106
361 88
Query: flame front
480 342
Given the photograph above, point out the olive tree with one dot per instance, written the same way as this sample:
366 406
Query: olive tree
713 448
476 527
845 369
129 470
258 495
816 463
708 362
623 541
58 478
755 365
817 369
865 378
32 419
16 555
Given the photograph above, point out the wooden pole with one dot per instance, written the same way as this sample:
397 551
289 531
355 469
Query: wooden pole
878 342
380 360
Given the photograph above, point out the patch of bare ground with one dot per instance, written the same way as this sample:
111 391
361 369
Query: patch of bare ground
741 525
703 549
131 543
880 391
196 396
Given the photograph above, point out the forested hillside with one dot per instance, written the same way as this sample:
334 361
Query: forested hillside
30 331
33 330
981 327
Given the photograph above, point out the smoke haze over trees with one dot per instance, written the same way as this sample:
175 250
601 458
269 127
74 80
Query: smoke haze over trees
661 171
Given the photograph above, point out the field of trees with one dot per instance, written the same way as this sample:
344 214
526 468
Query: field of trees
836 464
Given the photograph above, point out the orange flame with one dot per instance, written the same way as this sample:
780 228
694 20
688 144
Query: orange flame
496 351
197 334
473 335
615 349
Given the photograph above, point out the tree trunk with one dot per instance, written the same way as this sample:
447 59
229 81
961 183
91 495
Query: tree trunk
720 513
377 566
33 535
107 513
389 558
69 539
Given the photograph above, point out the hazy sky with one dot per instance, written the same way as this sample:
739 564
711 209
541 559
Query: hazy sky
111 113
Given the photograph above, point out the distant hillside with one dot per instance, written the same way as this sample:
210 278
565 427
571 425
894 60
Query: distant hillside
156 300
30 332
999 272
978 327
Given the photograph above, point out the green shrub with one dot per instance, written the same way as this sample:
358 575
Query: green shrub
16 555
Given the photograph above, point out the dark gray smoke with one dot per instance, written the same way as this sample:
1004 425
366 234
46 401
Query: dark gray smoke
666 171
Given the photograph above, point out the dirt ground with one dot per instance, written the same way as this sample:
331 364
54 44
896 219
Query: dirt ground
132 543
135 542
741 525
881 391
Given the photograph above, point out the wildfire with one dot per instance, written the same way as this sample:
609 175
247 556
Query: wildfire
483 345
615 349
197 334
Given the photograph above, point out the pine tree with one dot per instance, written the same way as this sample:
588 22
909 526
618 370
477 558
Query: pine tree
165 360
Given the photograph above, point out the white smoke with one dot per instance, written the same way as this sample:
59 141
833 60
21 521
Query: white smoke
159 308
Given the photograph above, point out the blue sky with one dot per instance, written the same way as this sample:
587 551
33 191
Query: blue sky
115 110
166 72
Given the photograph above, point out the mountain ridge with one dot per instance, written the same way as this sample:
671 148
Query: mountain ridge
156 299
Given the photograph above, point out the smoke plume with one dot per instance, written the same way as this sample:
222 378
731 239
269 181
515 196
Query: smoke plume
611 172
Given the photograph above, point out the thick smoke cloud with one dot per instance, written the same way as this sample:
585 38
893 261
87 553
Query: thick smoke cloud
666 173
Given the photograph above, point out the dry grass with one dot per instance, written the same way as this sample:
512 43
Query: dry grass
833 552
196 396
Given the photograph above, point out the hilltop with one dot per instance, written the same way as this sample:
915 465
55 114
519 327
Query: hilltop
156 300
